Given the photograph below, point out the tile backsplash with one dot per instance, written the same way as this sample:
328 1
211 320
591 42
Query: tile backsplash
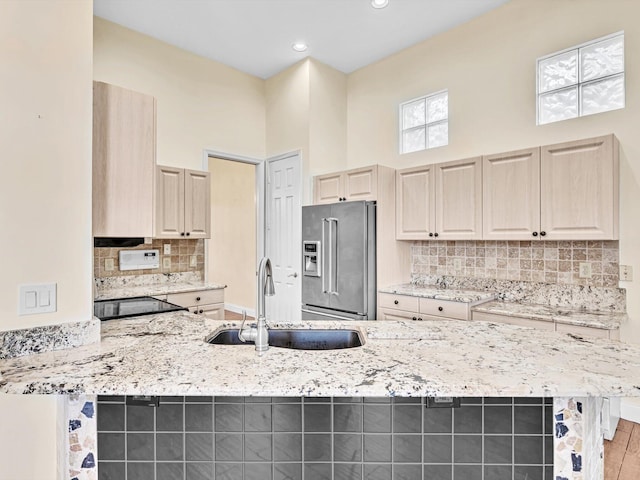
539 261
181 253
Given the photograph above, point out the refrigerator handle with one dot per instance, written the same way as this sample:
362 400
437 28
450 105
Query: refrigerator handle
324 256
333 273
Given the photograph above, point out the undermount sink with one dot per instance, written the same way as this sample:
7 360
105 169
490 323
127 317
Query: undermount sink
299 339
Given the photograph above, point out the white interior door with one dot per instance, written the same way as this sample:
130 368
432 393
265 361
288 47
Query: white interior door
284 237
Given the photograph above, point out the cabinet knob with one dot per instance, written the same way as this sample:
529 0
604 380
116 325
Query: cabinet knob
195 311
395 302
440 309
435 234
543 233
201 310
535 234
188 233
419 319
415 318
182 234
197 299
430 234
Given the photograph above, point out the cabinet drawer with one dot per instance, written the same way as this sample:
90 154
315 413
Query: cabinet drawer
213 311
444 308
202 297
580 330
522 322
391 314
398 302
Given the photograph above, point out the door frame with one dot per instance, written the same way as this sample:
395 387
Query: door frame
260 192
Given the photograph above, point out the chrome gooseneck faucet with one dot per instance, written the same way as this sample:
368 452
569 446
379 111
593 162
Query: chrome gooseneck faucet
259 333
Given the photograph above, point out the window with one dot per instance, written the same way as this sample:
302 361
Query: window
424 122
582 80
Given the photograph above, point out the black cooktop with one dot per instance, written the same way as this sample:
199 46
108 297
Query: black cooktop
132 307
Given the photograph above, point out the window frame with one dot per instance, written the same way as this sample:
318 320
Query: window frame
580 83
425 125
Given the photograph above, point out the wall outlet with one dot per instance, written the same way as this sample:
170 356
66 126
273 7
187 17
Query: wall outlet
167 249
585 270
109 264
193 261
166 263
457 264
626 273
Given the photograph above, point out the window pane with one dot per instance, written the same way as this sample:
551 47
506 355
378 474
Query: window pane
413 140
438 134
603 95
437 107
602 58
413 114
558 71
559 105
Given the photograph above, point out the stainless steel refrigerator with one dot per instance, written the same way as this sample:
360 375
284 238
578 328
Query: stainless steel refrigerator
339 261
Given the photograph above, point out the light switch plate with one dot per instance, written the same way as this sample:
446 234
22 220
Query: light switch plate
457 264
166 263
167 249
109 264
37 298
193 261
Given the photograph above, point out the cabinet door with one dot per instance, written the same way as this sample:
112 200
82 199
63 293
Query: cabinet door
328 188
415 203
459 200
511 195
401 315
197 204
361 184
579 190
124 158
169 202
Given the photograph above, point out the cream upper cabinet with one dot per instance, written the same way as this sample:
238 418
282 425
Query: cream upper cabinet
415 203
579 184
124 158
183 205
349 185
567 191
441 201
511 195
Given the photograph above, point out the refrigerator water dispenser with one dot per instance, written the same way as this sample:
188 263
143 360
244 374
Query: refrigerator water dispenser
311 259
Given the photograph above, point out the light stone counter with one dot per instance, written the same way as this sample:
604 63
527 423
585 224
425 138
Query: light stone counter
155 289
166 355
435 292
566 315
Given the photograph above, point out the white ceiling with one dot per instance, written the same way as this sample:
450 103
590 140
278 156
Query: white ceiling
255 36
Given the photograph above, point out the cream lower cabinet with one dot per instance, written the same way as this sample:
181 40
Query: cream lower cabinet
441 201
348 185
567 191
209 303
124 159
547 325
183 203
406 307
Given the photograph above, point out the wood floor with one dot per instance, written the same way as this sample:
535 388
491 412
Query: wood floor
622 454
229 315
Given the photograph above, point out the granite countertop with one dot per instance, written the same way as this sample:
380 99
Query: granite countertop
433 291
123 291
166 354
570 316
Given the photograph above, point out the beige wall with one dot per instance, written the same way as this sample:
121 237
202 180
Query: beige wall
488 66
201 103
45 133
45 197
232 248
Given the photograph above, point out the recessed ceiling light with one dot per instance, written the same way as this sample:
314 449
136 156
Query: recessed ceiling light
379 3
299 47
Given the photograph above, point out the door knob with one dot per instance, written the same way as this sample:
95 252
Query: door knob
294 275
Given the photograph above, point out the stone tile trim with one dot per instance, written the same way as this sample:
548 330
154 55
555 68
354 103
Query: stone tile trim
16 343
537 261
80 436
578 439
181 253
